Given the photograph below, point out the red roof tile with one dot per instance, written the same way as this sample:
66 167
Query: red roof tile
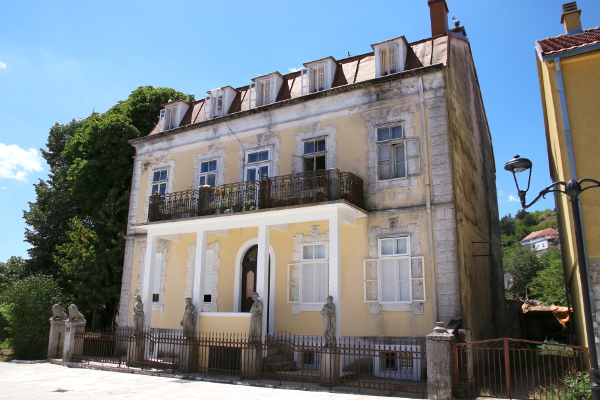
568 42
543 232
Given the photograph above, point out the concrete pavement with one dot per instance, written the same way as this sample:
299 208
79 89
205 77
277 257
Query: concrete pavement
50 381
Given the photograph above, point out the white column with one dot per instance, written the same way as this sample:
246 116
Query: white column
148 280
335 268
262 271
199 272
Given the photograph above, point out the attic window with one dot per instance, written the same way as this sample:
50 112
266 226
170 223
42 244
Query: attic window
388 59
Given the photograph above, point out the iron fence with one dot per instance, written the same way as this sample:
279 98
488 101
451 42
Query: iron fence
386 363
279 191
520 369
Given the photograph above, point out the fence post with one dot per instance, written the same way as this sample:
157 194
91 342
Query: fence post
56 339
333 184
73 347
439 363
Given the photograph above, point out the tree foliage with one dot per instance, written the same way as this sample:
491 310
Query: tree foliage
26 305
537 277
79 217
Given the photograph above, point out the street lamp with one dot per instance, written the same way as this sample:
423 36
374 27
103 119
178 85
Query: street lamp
572 189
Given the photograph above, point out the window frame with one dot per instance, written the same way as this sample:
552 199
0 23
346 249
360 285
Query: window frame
392 143
159 183
387 49
296 272
257 165
315 154
208 173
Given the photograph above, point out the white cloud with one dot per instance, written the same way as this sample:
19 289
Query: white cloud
513 198
290 70
2 65
17 163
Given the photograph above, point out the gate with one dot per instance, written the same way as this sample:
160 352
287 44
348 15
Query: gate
520 369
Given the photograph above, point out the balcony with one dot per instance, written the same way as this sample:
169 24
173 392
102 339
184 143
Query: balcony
280 191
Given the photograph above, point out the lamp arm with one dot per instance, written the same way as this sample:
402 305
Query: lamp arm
543 193
596 183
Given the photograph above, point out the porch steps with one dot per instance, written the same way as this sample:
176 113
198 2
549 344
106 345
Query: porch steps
278 361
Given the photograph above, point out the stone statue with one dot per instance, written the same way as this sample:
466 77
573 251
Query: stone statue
328 313
74 314
256 319
58 314
189 319
138 314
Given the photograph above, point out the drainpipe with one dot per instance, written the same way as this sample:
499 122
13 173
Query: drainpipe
425 158
571 155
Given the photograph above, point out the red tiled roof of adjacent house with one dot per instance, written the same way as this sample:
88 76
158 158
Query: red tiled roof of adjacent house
543 232
567 42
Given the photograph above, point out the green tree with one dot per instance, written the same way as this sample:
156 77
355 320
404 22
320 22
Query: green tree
549 284
26 305
523 264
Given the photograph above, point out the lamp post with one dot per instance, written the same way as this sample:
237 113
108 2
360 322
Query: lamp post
572 189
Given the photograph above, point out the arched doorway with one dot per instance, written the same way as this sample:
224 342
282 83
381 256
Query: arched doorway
248 280
248 284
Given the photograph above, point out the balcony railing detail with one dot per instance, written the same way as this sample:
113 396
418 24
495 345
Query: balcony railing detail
279 191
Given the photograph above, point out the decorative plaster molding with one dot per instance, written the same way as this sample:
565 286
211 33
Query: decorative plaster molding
377 232
328 133
416 307
263 141
386 116
211 154
163 248
159 163
299 239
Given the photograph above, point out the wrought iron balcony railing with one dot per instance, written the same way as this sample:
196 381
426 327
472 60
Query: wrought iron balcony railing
279 191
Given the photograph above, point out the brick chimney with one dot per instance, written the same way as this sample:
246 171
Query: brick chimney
570 18
438 10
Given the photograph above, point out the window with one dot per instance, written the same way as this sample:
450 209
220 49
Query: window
172 118
388 59
218 102
317 78
400 362
264 92
318 75
395 276
208 173
257 165
314 155
159 182
391 153
308 280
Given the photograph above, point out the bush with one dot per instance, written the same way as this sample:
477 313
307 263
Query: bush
26 304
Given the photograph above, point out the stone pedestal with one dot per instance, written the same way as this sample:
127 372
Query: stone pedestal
329 367
56 339
252 359
188 356
136 348
439 363
73 347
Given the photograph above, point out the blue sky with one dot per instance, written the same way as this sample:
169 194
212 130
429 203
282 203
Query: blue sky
62 59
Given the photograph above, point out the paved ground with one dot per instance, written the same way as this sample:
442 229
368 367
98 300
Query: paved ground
49 381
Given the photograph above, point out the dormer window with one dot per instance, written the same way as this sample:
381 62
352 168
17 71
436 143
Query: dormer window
390 56
217 103
171 116
388 59
264 89
318 75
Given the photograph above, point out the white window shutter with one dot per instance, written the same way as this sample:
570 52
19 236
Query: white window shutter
417 278
304 81
413 160
252 97
293 286
207 104
161 120
371 280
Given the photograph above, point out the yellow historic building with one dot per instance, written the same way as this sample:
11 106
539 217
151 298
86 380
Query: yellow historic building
569 73
370 179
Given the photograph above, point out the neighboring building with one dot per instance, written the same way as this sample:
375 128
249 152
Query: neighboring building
541 241
369 178
569 72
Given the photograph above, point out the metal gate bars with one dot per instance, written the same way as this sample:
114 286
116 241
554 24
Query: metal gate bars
520 369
